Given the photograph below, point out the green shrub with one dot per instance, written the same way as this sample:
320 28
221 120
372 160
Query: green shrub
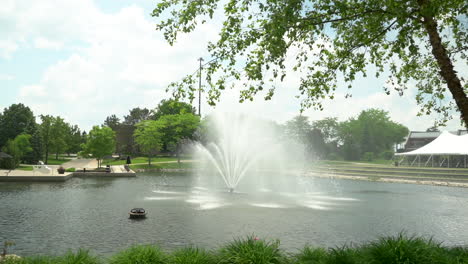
310 255
252 250
387 155
333 156
191 255
459 255
70 170
8 164
402 249
368 156
344 255
80 257
140 255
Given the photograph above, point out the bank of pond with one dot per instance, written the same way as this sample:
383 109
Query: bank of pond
253 250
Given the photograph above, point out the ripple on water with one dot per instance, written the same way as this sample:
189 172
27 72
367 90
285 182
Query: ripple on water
155 198
315 205
268 205
210 206
167 192
333 198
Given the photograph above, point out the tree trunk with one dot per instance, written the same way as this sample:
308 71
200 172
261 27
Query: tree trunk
56 155
177 154
46 155
445 64
149 161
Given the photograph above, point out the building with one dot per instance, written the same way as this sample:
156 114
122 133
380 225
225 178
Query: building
125 142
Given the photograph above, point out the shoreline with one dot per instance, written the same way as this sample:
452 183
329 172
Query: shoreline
374 178
377 178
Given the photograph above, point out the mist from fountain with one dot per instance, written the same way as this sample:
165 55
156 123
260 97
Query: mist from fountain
244 161
241 149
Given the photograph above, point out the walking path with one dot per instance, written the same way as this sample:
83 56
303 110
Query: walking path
81 163
74 163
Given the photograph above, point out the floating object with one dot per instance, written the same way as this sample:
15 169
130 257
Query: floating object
137 213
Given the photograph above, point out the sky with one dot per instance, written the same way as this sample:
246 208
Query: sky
87 59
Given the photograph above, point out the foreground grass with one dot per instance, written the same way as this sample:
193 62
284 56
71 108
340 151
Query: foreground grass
400 249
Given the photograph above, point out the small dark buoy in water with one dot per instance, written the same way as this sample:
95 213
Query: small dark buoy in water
137 213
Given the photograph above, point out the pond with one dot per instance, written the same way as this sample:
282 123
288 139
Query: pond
92 213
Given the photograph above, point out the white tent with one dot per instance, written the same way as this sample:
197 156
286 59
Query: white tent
445 144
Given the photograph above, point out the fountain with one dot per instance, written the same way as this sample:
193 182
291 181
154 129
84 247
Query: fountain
242 149
245 161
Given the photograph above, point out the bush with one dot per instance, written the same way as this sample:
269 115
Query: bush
368 156
400 249
387 155
457 254
8 163
311 255
403 249
191 255
80 257
70 170
252 250
140 255
333 156
344 255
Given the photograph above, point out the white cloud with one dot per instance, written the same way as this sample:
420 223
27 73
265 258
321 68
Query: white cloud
6 77
118 61
124 63
43 43
7 47
33 91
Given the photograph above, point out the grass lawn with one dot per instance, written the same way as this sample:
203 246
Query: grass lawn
25 168
139 160
356 163
53 161
175 165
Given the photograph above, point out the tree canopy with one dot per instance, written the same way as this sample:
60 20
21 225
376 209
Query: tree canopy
17 148
100 142
176 129
372 131
113 122
135 116
172 107
148 136
412 43
15 120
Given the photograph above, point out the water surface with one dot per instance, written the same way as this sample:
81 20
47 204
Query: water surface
50 218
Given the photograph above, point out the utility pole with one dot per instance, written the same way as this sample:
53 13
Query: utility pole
199 87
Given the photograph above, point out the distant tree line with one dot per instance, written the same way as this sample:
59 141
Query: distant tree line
164 130
28 141
172 124
368 136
